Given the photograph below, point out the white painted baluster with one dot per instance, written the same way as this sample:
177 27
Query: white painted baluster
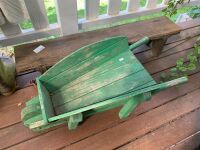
37 13
151 4
67 16
133 5
2 19
114 7
12 10
91 9
9 29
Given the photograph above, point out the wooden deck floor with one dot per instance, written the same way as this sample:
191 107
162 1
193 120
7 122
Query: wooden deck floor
171 120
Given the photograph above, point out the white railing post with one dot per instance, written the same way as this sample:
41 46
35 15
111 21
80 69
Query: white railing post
114 7
151 4
12 10
68 22
91 9
67 16
37 13
9 29
2 19
133 5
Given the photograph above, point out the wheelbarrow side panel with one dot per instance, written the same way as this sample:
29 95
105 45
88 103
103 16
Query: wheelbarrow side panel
121 99
108 90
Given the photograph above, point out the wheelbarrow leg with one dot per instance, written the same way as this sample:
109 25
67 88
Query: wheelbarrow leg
74 121
129 107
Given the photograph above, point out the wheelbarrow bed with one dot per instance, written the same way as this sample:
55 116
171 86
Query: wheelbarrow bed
97 77
101 71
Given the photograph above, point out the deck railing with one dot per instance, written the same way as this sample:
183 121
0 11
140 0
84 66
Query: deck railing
68 22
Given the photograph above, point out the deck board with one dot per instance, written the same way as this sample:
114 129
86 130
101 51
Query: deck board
140 125
167 135
189 143
101 121
176 105
10 107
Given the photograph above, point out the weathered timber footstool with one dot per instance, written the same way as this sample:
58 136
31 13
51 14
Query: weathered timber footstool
93 79
157 29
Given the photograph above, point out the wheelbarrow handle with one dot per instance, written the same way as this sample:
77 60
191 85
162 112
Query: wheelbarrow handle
132 103
144 40
171 83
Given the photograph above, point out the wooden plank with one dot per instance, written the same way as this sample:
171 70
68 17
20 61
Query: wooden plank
11 106
133 5
136 127
189 143
102 121
67 16
166 136
37 13
91 9
66 45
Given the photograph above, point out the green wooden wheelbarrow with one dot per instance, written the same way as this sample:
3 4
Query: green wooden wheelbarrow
95 78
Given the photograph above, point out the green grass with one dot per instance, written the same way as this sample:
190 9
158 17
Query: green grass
51 12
